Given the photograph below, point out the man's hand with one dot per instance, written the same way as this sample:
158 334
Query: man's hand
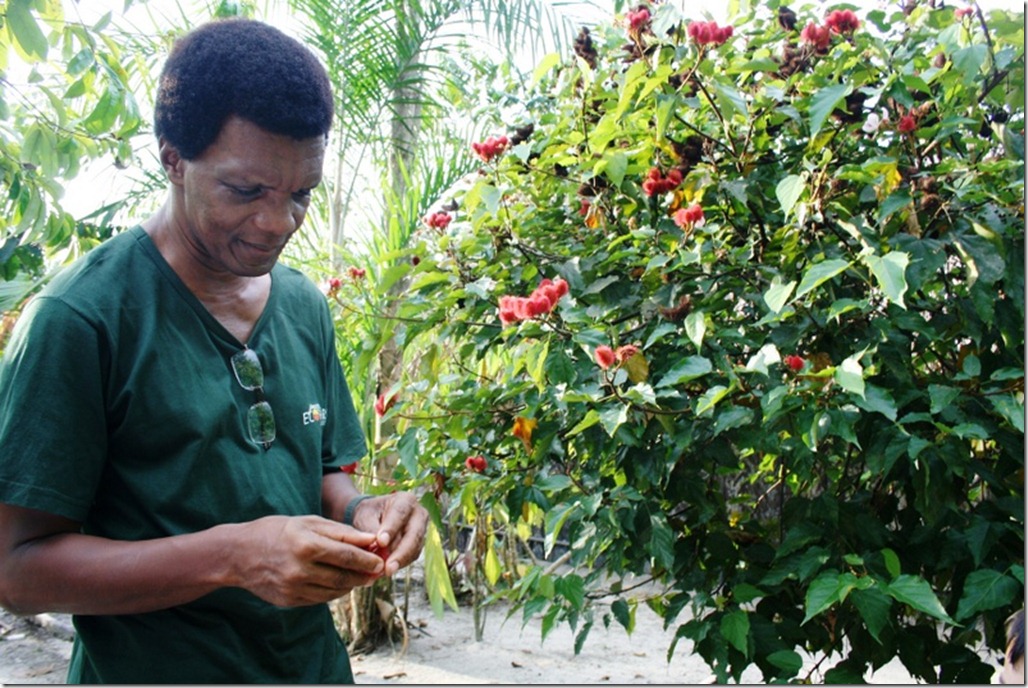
303 560
397 523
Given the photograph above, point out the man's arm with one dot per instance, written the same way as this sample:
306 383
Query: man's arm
48 565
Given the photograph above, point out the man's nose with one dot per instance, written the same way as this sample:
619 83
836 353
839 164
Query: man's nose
277 217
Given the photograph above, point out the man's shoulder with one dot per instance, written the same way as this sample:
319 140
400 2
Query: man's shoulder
104 268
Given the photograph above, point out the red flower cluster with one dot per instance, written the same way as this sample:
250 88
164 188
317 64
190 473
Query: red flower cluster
334 283
478 464
689 217
606 356
794 363
709 33
637 19
657 183
438 220
818 36
357 273
382 404
541 301
842 21
907 124
491 147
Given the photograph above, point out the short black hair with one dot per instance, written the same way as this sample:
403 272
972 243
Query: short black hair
245 68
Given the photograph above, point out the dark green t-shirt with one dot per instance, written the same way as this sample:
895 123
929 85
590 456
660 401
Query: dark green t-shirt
119 409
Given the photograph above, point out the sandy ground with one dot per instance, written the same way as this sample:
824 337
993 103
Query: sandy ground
444 651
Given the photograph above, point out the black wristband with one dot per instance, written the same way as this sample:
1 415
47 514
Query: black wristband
351 507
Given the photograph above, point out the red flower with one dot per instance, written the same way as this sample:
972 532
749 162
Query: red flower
656 183
709 33
605 356
334 283
638 19
542 300
795 363
538 305
491 147
349 468
842 21
478 464
963 12
438 220
625 352
689 217
907 124
818 36
357 273
382 404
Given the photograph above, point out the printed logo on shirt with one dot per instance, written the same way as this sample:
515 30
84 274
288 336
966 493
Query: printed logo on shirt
315 414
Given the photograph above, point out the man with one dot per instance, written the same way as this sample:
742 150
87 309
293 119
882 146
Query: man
173 415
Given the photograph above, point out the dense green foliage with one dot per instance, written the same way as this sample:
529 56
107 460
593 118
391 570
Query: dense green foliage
816 447
815 440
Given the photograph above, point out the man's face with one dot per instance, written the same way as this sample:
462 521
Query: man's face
245 196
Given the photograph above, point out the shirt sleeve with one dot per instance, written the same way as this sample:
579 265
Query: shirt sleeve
53 436
344 441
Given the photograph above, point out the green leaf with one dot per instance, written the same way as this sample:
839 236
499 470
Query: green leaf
768 355
875 399
409 449
710 398
916 592
437 575
827 589
491 566
735 627
547 63
890 271
730 99
850 376
942 396
1010 408
778 294
820 273
687 369
616 166
592 417
789 191
612 417
789 661
624 613
823 103
695 328
662 541
572 588
28 37
874 606
986 589
892 562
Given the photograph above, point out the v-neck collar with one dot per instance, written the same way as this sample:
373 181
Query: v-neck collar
212 323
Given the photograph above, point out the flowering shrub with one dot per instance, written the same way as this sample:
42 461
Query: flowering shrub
803 418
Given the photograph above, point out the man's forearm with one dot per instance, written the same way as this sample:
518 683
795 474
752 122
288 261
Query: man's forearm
81 574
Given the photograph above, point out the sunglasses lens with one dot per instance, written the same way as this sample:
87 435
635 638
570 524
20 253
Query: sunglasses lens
247 369
261 423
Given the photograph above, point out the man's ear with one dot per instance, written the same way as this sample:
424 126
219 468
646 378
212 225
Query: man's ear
171 161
